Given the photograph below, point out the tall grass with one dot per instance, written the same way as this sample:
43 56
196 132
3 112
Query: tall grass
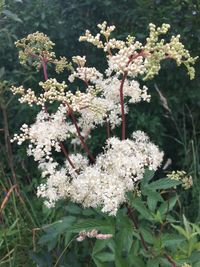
186 135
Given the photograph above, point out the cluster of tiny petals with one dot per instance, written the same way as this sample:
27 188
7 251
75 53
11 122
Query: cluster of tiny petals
86 74
80 162
120 62
146 58
122 164
104 184
182 176
57 185
60 64
45 134
105 29
95 40
80 61
27 96
131 89
116 172
35 46
53 90
92 234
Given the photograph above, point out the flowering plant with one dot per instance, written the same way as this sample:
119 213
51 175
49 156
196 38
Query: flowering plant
117 180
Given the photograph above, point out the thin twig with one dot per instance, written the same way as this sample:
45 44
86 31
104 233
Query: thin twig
3 204
68 158
79 133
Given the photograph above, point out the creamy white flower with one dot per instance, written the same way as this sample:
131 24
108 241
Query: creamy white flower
46 134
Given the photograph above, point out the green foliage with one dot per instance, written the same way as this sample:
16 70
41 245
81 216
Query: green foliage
142 236
176 132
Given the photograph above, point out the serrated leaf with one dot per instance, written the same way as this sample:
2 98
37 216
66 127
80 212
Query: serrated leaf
152 203
141 208
168 205
164 183
156 195
180 230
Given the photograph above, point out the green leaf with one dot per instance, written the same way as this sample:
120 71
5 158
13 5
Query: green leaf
73 209
180 230
136 261
148 175
163 183
105 256
87 225
148 237
141 208
153 263
186 225
171 240
153 198
120 260
168 205
151 193
152 203
164 262
60 226
102 244
11 15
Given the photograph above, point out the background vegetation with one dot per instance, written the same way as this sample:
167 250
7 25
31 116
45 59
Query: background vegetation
171 119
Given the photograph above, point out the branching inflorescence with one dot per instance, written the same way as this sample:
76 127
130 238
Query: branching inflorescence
104 180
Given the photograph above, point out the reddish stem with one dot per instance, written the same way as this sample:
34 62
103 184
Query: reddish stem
131 58
132 217
170 260
79 133
122 105
67 157
44 65
108 128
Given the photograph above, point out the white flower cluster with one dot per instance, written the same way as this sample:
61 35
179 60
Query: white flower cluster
58 183
127 60
105 183
27 96
85 74
46 133
116 172
53 90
